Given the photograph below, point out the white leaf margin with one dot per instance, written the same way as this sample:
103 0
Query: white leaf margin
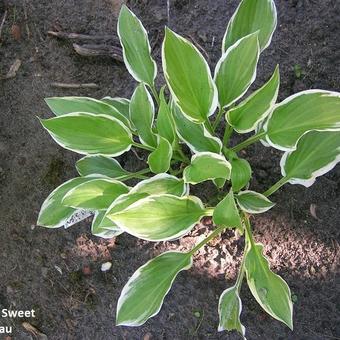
104 179
123 101
231 21
287 100
48 201
93 100
260 196
120 100
207 134
127 64
215 156
264 115
109 233
141 184
152 107
214 102
168 156
77 215
260 252
310 181
118 201
82 114
149 199
124 294
225 56
136 188
101 175
220 327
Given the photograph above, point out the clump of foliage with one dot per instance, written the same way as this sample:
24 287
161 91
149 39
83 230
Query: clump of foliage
305 127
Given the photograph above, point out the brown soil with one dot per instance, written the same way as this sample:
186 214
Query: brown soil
57 272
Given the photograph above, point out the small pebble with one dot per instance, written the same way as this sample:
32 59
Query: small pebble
106 266
58 270
16 32
86 270
147 336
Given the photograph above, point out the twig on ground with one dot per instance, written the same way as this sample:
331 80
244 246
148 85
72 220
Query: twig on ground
78 36
213 41
12 70
93 50
312 210
3 22
34 331
28 32
100 48
75 86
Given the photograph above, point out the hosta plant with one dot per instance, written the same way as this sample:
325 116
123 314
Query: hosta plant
176 125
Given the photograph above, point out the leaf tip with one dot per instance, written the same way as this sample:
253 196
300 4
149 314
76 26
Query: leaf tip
38 223
48 99
123 9
220 328
276 75
120 322
289 323
169 33
250 36
42 121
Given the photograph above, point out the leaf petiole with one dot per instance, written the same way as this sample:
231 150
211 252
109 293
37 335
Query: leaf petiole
276 186
241 272
184 157
249 235
253 139
138 174
142 146
215 233
155 94
227 134
218 118
208 126
177 172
